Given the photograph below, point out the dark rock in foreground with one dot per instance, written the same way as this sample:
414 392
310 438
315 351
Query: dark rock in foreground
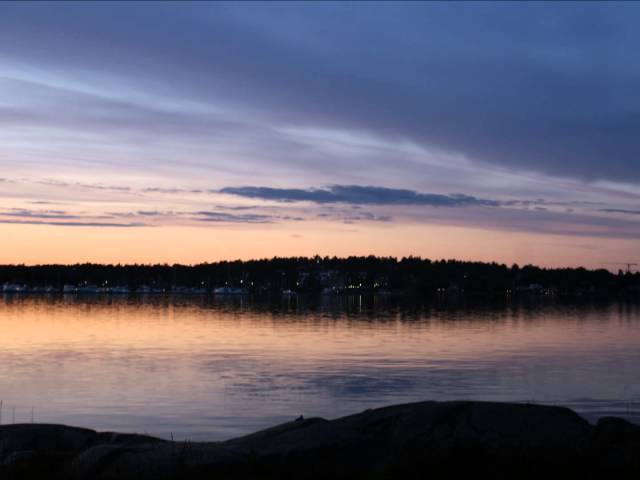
419 440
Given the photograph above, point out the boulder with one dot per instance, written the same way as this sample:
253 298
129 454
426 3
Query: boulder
418 440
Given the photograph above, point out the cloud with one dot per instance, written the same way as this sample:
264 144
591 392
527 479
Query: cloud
149 213
89 186
349 217
223 217
530 221
52 214
620 210
74 224
359 195
170 190
61 218
237 207
496 101
538 86
113 188
369 217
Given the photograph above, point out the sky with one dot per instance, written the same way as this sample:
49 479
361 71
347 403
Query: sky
191 132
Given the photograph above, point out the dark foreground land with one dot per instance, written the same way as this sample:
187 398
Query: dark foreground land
419 440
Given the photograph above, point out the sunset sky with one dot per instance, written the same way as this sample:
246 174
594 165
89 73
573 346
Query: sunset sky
178 132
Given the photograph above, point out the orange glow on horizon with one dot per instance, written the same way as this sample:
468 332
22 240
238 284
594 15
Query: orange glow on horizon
30 244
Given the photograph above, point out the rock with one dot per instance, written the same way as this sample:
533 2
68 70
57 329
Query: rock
436 439
616 445
114 461
617 430
20 458
42 437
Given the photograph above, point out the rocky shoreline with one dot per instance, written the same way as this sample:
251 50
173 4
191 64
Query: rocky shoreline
418 440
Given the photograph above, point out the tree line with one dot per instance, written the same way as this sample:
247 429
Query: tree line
413 275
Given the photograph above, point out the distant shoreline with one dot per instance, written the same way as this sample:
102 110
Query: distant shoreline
410 276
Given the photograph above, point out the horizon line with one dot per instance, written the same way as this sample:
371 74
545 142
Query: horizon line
324 258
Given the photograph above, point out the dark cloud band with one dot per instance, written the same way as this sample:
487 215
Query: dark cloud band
359 195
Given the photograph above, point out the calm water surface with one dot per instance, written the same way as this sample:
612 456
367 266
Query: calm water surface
212 369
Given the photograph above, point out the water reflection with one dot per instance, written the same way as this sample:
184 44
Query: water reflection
215 368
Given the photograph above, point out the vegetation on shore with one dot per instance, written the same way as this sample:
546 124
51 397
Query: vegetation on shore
409 275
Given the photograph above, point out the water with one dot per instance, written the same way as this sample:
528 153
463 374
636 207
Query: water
212 369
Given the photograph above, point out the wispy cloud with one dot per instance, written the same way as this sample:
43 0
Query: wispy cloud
171 190
89 186
44 202
223 217
74 224
51 214
150 213
237 207
620 210
62 218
